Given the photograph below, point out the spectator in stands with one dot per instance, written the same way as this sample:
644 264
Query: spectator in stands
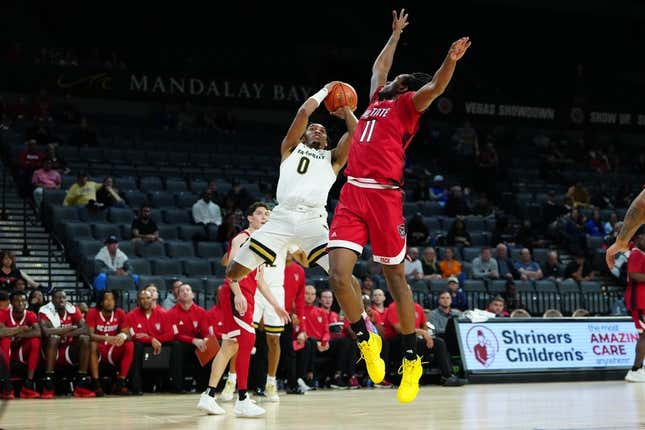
108 195
367 285
430 265
552 313
239 195
112 261
10 274
30 159
599 161
485 266
511 296
171 299
574 230
206 212
459 299
443 312
144 229
503 231
154 294
228 230
20 285
57 160
438 191
413 267
456 204
580 313
82 193
449 266
84 136
520 313
594 226
44 178
578 195
378 302
504 263
185 318
528 269
216 197
149 327
551 209
609 227
313 337
552 269
496 306
36 300
417 230
579 268
458 235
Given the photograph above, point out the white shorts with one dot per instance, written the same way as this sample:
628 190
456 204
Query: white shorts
306 229
263 311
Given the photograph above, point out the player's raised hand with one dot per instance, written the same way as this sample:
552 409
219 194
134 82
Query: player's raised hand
331 85
342 112
458 48
610 256
399 21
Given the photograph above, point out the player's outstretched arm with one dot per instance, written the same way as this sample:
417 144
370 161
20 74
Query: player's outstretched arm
341 152
383 62
634 218
299 124
32 331
430 91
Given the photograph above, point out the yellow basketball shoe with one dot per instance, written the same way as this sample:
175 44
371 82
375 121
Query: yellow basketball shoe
371 353
409 388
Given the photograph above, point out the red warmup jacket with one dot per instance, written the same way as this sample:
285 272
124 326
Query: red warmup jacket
316 324
186 323
294 290
156 326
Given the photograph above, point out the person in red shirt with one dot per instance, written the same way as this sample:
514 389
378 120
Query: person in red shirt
67 343
312 337
20 342
635 302
185 318
370 207
294 299
149 327
111 342
378 303
426 343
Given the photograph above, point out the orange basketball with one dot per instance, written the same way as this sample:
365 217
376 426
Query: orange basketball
341 94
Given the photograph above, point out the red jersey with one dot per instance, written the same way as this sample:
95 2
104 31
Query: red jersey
392 318
294 289
380 314
155 325
249 284
213 323
185 323
316 323
7 318
66 320
382 135
635 292
110 326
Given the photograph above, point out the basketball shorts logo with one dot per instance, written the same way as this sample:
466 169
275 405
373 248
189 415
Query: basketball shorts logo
402 230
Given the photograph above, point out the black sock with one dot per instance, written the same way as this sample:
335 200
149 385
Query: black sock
360 329
409 346
635 368
211 391
241 394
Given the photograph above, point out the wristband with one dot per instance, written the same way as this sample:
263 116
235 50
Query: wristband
123 335
320 95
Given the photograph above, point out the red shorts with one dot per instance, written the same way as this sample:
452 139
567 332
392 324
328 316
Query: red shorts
64 356
638 316
376 215
111 353
20 351
232 321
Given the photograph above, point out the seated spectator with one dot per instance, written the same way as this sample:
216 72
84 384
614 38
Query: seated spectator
82 193
378 302
206 212
459 299
458 236
430 265
44 178
496 306
578 195
551 268
413 268
417 230
552 313
511 296
144 229
112 261
108 194
505 264
609 227
367 285
485 266
216 197
528 269
438 191
449 266
594 226
10 274
579 268
580 313
171 299
574 230
443 312
154 294
30 159
520 313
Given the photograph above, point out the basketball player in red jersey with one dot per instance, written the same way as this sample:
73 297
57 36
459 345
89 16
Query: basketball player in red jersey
237 299
371 202
634 218
20 341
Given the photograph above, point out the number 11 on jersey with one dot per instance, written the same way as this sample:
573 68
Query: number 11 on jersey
366 136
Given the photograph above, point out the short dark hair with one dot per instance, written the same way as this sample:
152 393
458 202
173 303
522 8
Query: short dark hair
254 206
16 294
416 80
444 291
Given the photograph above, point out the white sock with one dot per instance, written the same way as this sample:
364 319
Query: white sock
271 380
232 377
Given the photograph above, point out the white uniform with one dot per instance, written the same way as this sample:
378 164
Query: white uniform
300 218
274 277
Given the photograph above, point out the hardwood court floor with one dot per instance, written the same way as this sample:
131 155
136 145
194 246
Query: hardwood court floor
574 405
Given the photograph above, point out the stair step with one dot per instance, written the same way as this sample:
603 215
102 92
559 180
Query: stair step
34 271
42 253
33 267
13 223
4 234
30 240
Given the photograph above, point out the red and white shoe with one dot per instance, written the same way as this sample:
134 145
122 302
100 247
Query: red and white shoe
28 393
83 392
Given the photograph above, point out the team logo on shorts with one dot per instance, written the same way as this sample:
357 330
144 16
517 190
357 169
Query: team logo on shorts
402 230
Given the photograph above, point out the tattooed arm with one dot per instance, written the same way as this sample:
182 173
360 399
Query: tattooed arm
634 218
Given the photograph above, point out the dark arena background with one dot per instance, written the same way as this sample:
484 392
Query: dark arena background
155 126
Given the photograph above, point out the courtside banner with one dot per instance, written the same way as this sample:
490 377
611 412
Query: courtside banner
504 345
